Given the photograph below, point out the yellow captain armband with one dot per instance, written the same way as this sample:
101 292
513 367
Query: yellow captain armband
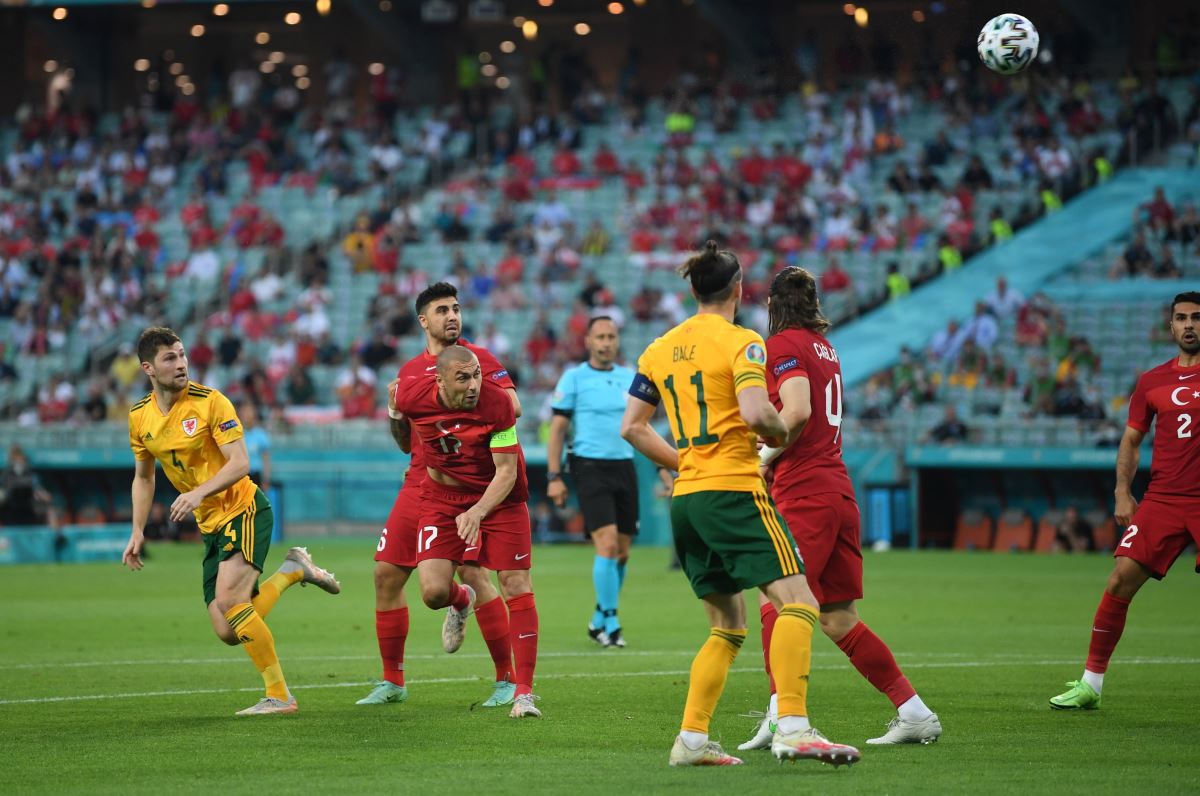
504 439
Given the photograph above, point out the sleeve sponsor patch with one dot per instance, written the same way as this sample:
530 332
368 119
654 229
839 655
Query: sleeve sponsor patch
644 390
500 374
756 353
785 366
228 424
504 439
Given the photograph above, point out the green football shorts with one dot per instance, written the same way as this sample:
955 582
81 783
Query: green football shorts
728 542
248 534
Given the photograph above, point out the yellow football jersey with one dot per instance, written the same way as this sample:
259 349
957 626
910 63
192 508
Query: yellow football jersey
699 367
186 441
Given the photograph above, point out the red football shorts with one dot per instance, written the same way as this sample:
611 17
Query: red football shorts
826 530
398 542
1159 531
504 536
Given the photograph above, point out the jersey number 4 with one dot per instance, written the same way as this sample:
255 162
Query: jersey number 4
704 437
833 404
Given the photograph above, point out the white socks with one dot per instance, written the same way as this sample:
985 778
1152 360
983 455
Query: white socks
773 708
791 724
914 710
1094 679
693 740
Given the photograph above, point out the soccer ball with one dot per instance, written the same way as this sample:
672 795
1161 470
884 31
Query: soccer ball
1008 44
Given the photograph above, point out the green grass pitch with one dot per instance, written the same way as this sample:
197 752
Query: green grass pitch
112 681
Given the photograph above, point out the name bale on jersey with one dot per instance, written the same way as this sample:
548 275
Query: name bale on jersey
683 353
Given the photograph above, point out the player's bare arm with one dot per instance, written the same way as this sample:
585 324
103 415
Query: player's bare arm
755 407
516 400
556 489
143 497
237 465
637 431
1127 464
398 424
498 489
797 406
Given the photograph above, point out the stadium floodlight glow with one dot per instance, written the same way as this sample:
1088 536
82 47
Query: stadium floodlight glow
849 9
303 83
220 10
485 57
385 5
324 6
182 80
266 67
616 8
50 66
292 18
583 28
375 69
59 14
176 68
149 3
918 16
529 30
299 70
141 65
188 89
861 17
276 57
197 30
639 2
262 37
545 3
488 70
502 82
518 22
507 46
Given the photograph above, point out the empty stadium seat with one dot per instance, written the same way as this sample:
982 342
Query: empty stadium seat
1046 530
973 531
1014 532
1104 529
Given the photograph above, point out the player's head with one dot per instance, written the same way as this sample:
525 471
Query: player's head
1185 321
439 314
715 274
603 341
161 353
792 302
459 377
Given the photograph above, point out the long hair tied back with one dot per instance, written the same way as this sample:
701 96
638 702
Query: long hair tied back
794 302
712 273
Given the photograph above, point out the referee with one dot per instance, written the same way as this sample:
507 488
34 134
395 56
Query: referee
591 396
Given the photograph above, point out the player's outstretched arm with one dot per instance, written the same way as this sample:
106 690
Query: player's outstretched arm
237 465
143 496
756 409
637 431
1127 464
498 489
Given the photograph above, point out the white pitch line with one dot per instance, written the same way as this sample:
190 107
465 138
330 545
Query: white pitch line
578 675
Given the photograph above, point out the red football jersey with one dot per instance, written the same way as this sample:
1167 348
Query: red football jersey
459 442
812 464
1170 396
424 364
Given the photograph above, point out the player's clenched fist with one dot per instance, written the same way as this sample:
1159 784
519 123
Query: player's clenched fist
1125 509
468 525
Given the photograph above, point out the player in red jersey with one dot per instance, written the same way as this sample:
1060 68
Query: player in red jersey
813 492
440 316
1168 518
473 510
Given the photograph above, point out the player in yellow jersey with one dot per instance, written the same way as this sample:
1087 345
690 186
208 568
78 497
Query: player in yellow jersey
194 432
727 533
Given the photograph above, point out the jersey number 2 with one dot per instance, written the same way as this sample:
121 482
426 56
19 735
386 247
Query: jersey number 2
704 437
1184 431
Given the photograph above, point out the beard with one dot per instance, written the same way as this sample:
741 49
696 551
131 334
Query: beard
1191 348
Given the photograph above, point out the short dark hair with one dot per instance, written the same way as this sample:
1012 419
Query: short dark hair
154 338
595 319
438 290
1188 297
712 273
454 355
794 302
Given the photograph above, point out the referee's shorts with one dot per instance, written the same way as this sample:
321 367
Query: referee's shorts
608 493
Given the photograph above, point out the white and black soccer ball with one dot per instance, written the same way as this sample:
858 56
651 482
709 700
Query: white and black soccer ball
1008 44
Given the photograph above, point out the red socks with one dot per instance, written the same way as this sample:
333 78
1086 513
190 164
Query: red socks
492 617
1106 631
769 615
460 598
523 630
874 661
391 628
